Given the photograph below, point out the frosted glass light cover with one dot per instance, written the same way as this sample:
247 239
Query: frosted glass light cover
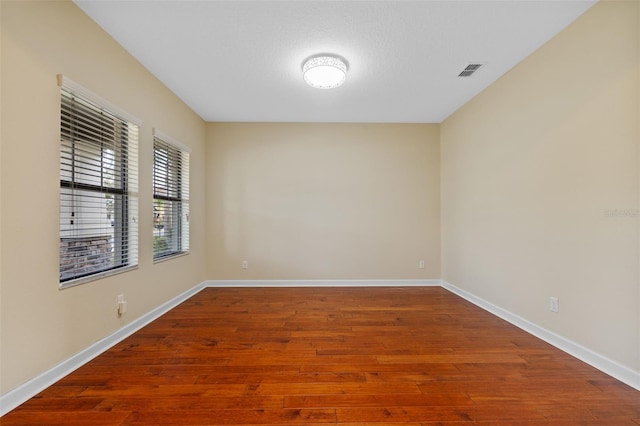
324 72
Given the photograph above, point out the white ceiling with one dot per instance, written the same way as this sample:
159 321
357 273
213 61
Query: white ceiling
241 60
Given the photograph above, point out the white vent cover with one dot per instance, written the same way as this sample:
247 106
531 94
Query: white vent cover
469 70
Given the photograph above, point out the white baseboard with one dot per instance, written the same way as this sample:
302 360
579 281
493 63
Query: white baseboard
22 393
322 283
602 363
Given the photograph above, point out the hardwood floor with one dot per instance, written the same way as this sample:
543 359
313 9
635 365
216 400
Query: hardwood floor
391 356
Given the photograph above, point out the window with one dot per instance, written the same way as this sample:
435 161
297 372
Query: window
98 187
170 197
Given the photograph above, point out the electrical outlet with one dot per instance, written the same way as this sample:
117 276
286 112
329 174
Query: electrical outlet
122 305
421 264
554 304
245 264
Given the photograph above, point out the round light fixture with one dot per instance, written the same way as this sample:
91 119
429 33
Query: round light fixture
324 71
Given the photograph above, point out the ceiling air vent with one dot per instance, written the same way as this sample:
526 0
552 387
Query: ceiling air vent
469 70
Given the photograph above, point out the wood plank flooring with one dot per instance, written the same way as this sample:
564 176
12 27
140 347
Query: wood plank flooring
317 356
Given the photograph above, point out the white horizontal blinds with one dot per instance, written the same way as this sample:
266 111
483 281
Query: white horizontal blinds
98 188
170 198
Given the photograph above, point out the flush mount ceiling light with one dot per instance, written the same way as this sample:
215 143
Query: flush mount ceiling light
324 71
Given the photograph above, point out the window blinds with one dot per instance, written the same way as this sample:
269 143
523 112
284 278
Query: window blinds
98 188
170 197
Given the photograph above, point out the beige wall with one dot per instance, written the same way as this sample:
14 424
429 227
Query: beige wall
40 324
323 201
540 186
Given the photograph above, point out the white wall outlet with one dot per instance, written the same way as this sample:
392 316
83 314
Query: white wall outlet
122 305
421 264
245 264
554 304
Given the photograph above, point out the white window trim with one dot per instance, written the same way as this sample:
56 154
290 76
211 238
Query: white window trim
181 147
168 139
67 83
73 87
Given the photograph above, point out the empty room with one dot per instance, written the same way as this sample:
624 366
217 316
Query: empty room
320 212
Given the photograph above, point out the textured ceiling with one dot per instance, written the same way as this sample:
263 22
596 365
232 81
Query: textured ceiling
241 60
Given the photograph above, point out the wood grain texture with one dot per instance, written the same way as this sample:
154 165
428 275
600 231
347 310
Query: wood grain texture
317 356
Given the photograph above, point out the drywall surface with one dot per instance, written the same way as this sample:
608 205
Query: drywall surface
323 201
540 186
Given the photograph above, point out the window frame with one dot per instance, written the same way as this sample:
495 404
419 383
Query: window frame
175 171
84 182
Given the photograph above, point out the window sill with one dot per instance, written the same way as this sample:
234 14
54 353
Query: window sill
169 257
84 280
